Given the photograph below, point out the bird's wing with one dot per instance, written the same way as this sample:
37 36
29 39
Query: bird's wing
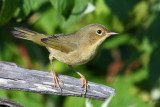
61 42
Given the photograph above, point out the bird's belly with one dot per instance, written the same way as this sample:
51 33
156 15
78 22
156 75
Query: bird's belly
76 57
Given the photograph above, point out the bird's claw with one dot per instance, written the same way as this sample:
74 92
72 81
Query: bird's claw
84 84
57 80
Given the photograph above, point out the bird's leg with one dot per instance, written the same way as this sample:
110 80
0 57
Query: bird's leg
83 79
55 77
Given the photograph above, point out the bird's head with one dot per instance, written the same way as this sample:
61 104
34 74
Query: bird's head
94 33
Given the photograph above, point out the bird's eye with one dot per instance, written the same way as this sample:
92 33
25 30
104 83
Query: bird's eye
99 32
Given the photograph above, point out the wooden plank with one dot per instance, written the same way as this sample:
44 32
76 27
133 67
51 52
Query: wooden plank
13 77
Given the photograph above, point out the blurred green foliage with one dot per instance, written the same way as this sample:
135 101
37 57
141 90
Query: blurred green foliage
128 62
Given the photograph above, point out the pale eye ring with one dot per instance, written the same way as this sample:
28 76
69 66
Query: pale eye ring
99 32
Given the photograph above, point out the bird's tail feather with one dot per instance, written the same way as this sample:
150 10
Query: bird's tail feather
24 33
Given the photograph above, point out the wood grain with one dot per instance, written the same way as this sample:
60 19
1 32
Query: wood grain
13 77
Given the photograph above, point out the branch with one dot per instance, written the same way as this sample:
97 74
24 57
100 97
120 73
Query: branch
8 103
13 77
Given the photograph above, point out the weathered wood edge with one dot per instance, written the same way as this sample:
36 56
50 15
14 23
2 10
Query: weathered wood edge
8 103
13 77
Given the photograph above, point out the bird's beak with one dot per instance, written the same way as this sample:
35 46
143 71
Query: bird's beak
112 33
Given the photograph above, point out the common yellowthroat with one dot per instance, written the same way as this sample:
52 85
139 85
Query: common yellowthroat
72 49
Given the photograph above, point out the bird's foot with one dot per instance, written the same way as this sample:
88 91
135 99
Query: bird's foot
84 84
57 80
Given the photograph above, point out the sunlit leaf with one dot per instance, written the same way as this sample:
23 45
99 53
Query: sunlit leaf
123 97
77 13
116 41
3 93
155 5
140 12
27 99
63 6
48 21
80 102
25 8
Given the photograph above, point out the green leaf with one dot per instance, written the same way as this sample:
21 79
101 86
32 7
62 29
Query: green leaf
25 8
7 10
80 6
48 21
3 93
52 19
116 41
124 98
77 13
140 12
121 7
39 3
63 6
155 5
27 99
80 102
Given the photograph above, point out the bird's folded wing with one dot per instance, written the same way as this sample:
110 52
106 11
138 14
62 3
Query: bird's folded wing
61 42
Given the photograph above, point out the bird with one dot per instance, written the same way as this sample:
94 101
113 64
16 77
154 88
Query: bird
72 49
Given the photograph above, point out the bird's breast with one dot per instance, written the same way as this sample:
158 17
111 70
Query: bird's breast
77 57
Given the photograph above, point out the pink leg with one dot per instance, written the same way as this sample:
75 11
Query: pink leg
84 81
55 77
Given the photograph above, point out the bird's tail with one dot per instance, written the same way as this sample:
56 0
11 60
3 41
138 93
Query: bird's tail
24 33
